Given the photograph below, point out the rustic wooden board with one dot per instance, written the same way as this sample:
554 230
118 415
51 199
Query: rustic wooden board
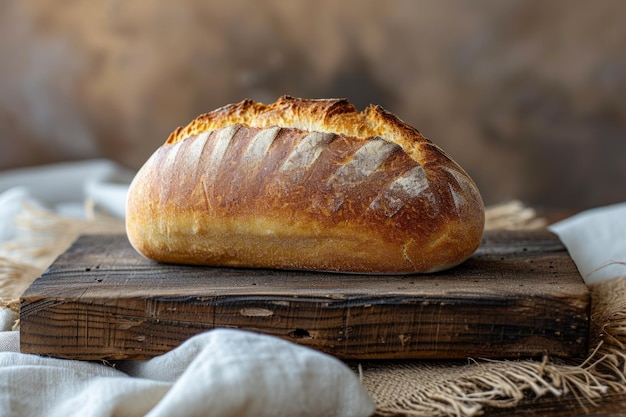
520 295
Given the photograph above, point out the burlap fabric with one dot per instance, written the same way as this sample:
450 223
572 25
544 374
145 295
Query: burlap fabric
416 388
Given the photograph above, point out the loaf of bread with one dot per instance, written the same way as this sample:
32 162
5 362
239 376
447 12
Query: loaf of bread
304 185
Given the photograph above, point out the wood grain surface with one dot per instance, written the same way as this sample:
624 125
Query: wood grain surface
520 295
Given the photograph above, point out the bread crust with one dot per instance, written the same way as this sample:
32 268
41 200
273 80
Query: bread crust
304 184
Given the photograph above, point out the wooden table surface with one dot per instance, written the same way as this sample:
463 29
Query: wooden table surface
519 295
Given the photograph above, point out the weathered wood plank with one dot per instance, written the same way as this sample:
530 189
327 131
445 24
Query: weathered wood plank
519 295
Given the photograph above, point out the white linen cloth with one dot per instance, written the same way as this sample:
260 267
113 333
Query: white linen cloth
596 241
220 373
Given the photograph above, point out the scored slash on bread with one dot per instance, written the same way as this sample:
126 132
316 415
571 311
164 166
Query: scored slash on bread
307 185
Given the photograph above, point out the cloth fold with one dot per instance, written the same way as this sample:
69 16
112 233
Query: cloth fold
596 241
221 373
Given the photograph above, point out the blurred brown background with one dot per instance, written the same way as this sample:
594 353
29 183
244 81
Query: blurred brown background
528 96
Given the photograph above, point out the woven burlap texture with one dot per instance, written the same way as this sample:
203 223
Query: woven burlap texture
415 388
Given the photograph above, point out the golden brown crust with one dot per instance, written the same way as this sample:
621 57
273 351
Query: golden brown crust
304 184
321 115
